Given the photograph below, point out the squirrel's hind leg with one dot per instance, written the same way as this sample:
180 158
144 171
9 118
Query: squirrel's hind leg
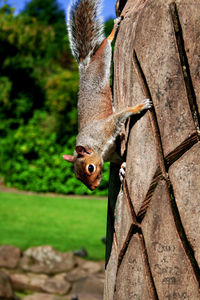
116 25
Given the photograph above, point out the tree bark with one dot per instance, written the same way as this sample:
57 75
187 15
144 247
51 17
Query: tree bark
153 241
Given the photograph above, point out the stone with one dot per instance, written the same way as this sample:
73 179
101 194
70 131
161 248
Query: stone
45 259
83 296
79 261
83 278
86 268
92 267
6 290
76 274
29 281
41 283
90 288
57 284
9 256
43 297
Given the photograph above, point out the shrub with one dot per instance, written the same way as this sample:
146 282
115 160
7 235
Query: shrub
38 95
31 159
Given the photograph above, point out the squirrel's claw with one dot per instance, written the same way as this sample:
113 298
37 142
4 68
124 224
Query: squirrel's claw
122 172
147 104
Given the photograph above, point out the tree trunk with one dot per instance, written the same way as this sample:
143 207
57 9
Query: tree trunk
153 240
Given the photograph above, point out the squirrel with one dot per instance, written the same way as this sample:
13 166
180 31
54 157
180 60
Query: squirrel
98 123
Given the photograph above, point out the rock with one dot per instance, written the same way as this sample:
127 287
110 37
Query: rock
90 288
79 261
76 274
85 296
82 271
9 256
57 284
43 297
45 259
52 275
28 281
92 267
6 290
40 283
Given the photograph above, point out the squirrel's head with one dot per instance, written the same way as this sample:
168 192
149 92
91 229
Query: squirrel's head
87 166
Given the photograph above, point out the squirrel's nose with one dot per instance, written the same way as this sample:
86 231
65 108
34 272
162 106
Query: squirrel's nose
95 184
93 187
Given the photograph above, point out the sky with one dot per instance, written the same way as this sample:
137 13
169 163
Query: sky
108 6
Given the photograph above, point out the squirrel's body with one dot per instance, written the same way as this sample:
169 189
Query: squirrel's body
98 124
94 81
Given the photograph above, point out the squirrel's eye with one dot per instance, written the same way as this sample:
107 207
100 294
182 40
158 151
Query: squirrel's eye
91 168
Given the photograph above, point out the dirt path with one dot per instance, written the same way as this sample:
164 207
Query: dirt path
4 188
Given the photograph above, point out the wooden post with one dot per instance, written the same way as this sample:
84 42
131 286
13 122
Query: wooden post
154 223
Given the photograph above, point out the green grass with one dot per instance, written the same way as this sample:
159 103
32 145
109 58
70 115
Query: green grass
64 223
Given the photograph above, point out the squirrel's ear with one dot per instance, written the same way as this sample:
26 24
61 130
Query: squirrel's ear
69 158
82 150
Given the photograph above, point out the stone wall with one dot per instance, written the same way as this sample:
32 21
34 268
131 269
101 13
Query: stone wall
46 274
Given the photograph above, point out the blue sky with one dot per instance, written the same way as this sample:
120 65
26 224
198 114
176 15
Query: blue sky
108 6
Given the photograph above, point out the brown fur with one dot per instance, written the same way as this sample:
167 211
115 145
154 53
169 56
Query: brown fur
84 28
98 124
80 167
95 103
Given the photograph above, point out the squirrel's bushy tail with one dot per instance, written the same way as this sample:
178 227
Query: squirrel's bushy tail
85 27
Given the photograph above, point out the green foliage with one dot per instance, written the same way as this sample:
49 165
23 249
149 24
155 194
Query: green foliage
38 95
35 158
108 26
5 88
46 11
32 220
61 88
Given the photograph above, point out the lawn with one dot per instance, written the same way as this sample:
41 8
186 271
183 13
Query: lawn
65 223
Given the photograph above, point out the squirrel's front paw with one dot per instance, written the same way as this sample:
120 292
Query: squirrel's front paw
147 104
122 172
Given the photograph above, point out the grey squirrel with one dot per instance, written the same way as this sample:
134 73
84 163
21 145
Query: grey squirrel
98 123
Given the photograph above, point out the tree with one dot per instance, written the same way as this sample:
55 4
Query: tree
31 81
46 11
153 240
49 13
38 96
